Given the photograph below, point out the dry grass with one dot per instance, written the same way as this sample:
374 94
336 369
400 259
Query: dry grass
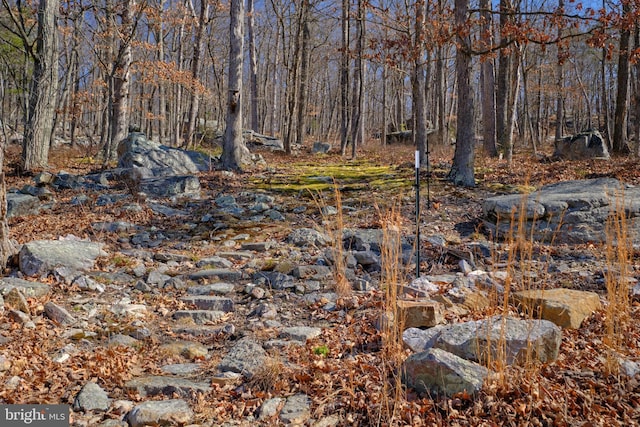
334 228
392 323
619 251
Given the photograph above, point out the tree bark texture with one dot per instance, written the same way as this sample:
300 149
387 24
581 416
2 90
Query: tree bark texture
419 94
234 152
43 91
462 172
622 93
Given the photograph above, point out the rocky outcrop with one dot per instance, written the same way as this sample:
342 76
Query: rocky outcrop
514 340
572 212
136 151
39 257
585 145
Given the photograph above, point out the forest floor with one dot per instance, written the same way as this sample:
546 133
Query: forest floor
580 388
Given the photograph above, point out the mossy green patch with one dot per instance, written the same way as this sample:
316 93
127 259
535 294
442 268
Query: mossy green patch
352 176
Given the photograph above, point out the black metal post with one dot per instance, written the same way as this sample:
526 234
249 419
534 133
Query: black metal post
417 214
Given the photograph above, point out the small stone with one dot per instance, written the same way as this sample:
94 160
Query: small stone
91 398
199 316
14 299
164 412
220 288
187 349
181 368
296 410
124 340
5 363
58 314
246 357
420 313
155 385
18 316
269 408
205 302
300 333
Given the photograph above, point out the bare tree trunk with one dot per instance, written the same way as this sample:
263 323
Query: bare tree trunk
234 151
487 83
504 79
636 43
43 91
194 103
560 81
419 102
344 80
253 68
622 95
357 108
304 74
462 172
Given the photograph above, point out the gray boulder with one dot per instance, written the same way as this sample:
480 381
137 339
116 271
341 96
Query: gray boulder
91 398
19 204
169 186
246 357
573 212
514 339
320 147
164 413
438 372
266 141
136 151
39 257
585 145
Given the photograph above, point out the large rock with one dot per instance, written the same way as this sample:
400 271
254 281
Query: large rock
136 151
566 308
246 357
420 313
168 386
514 340
19 204
438 372
26 288
573 212
585 145
175 412
39 257
92 397
169 186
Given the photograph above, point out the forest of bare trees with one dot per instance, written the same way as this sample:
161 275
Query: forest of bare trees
492 77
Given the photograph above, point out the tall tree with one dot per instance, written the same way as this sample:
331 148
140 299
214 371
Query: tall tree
461 172
196 89
560 82
504 88
419 95
622 93
253 68
234 151
119 82
487 84
303 88
43 91
344 79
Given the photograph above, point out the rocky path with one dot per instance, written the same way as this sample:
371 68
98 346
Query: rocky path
222 309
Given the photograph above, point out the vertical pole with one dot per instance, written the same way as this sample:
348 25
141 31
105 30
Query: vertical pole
417 214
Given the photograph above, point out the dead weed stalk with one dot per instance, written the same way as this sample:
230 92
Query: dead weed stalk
334 228
392 323
619 252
